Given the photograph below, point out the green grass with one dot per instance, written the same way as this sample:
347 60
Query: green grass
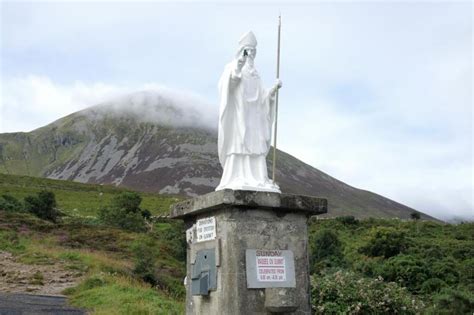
102 255
107 294
78 199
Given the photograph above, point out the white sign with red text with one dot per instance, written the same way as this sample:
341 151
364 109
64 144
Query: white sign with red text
270 268
270 265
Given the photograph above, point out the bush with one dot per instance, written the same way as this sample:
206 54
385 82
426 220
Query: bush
144 259
148 268
451 301
369 266
463 251
447 270
43 205
122 219
386 242
130 201
327 250
146 214
124 212
467 270
348 220
345 292
433 253
10 203
409 271
432 285
175 236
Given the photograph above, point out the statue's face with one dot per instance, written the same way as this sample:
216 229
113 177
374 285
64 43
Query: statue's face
251 52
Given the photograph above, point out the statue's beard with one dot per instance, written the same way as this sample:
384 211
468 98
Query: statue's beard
250 63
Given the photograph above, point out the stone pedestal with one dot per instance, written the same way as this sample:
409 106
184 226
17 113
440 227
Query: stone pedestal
226 230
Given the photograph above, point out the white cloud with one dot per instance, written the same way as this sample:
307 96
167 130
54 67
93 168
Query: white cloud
34 101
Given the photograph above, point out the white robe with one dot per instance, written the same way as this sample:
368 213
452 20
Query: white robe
246 115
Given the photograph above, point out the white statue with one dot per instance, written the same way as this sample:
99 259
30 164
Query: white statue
246 116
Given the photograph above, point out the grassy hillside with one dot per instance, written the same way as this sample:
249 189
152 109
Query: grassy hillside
78 199
102 260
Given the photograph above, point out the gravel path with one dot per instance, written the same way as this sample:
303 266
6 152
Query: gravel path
50 278
28 304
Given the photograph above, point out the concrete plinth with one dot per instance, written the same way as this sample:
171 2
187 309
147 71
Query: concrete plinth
249 220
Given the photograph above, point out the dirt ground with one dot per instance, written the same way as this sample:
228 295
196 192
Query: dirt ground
48 279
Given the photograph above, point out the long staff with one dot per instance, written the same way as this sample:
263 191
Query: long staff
276 101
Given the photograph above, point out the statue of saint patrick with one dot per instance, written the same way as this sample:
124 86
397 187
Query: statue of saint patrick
246 116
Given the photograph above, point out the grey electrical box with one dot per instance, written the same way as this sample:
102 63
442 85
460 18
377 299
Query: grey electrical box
204 272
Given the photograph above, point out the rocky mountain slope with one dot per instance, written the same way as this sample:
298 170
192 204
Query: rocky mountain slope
154 142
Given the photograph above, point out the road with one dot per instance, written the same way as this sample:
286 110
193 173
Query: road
29 304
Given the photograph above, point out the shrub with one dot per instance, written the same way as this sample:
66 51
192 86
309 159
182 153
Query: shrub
348 220
10 203
146 214
415 216
124 212
122 219
433 253
447 270
130 201
144 259
345 292
463 251
369 266
409 271
467 270
175 236
432 285
327 250
451 301
43 205
147 267
386 242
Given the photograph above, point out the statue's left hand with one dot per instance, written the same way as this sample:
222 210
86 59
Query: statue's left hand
278 85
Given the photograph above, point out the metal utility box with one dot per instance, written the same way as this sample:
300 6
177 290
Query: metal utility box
204 272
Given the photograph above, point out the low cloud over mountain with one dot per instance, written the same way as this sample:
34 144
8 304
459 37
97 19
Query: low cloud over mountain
160 142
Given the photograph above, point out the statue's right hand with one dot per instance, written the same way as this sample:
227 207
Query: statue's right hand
240 63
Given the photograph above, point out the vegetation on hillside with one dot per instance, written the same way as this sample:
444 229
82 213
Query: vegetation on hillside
76 199
124 212
391 266
123 270
358 267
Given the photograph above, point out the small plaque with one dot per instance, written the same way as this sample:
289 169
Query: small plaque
270 268
190 234
206 229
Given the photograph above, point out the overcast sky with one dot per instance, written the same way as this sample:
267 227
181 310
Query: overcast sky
377 94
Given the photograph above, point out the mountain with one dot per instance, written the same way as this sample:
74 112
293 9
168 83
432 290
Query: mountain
157 141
